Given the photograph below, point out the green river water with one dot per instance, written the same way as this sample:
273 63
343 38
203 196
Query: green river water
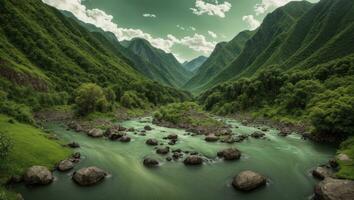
287 163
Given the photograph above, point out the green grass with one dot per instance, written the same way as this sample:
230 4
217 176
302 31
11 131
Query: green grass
30 147
347 168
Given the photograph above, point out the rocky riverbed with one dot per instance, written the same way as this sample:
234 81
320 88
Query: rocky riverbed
158 162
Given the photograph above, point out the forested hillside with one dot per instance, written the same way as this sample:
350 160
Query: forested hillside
222 55
45 56
296 35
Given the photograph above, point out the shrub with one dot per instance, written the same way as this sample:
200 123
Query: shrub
5 146
130 99
90 98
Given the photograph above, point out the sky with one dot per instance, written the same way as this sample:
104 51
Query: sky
186 28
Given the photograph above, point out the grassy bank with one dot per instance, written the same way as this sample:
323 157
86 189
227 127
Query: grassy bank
347 167
30 147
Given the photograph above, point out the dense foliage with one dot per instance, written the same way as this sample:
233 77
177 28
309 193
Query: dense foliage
5 146
323 95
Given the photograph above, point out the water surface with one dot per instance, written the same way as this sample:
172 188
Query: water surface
285 161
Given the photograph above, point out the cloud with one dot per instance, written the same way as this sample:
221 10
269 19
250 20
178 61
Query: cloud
212 34
216 9
198 42
180 27
149 15
267 5
192 28
251 21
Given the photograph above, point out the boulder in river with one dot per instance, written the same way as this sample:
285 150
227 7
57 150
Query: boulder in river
65 165
116 136
322 172
95 132
257 134
248 180
75 126
38 175
211 138
152 142
163 150
89 176
125 138
334 189
230 154
193 160
343 157
73 145
150 162
172 137
147 128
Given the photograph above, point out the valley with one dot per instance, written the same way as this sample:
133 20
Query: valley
89 113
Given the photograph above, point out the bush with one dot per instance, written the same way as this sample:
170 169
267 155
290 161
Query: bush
130 99
90 98
20 112
5 146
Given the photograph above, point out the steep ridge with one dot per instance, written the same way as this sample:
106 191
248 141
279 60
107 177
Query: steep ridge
165 61
260 47
222 55
320 35
195 63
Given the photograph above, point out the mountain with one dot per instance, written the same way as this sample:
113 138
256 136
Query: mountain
298 34
222 55
166 62
140 64
48 55
194 64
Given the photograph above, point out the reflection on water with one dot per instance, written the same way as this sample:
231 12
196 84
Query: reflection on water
285 161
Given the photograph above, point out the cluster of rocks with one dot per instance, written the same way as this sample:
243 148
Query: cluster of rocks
330 187
229 154
40 175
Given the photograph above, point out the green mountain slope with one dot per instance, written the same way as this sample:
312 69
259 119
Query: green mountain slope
222 55
167 63
141 65
194 64
42 52
289 38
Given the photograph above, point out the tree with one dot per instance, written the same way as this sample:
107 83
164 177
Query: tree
90 98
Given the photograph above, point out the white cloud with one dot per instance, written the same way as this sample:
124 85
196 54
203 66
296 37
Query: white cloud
199 43
180 27
212 34
251 21
216 9
192 28
267 5
149 15
105 21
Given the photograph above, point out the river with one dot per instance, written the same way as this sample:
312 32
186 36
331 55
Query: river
286 161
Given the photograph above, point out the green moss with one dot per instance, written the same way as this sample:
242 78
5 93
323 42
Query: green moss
30 147
7 195
347 168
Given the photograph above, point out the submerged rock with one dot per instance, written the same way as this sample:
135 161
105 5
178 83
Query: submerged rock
125 139
257 134
334 189
116 136
65 165
89 176
248 180
211 138
73 145
147 128
150 162
172 137
38 175
193 160
152 142
163 150
230 154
